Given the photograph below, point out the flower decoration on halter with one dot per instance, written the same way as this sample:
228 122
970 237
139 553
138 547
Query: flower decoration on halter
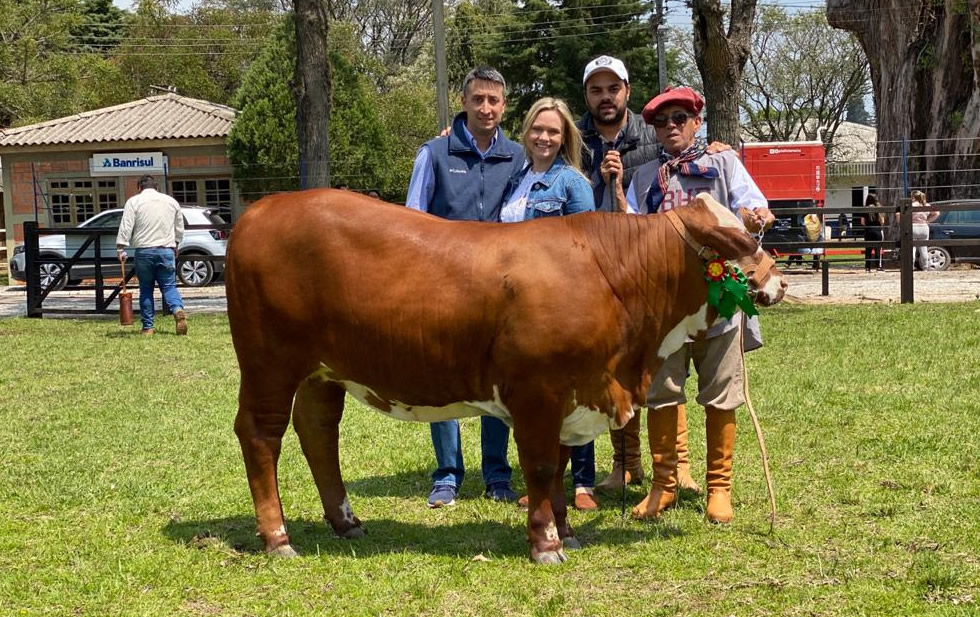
728 289
716 269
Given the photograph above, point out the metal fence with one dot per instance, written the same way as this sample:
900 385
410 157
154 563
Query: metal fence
96 248
903 245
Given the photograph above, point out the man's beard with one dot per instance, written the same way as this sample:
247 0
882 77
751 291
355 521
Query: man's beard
614 121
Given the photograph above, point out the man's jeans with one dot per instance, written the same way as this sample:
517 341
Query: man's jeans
156 266
494 435
583 465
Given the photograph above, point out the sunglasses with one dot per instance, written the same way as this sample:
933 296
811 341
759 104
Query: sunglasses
678 118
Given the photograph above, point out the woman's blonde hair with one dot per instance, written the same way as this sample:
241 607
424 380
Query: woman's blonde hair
571 137
919 196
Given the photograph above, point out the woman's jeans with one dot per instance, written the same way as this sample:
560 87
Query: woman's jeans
494 435
920 256
157 265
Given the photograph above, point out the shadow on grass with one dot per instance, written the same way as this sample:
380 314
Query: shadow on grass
386 536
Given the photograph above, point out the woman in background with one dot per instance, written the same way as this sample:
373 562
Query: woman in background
873 223
920 230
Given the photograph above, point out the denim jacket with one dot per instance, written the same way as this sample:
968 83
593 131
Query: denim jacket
561 191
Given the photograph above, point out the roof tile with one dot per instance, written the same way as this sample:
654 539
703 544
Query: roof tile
167 116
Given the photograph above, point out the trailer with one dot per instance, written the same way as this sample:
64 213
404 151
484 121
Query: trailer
791 174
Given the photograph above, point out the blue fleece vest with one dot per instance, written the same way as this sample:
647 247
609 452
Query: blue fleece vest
469 187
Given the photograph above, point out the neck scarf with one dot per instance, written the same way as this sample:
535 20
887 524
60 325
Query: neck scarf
681 164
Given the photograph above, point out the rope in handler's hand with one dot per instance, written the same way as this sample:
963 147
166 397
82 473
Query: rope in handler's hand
758 429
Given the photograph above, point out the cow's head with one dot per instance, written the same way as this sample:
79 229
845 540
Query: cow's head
714 226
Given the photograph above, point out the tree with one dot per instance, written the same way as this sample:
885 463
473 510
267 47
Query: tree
542 47
202 54
721 58
43 72
101 28
857 112
311 87
800 76
925 71
373 135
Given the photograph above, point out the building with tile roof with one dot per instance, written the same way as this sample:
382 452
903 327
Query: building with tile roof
64 171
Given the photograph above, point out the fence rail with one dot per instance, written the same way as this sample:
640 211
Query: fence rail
103 261
106 293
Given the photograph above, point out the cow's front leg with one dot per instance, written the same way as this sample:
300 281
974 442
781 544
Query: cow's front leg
317 410
537 425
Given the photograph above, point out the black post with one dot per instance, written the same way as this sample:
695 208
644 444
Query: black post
99 282
824 278
33 265
906 252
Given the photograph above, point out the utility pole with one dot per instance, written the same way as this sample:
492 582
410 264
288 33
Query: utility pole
658 34
442 77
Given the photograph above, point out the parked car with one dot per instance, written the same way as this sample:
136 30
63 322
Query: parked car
955 225
196 242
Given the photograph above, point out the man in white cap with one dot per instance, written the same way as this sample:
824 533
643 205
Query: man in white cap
618 141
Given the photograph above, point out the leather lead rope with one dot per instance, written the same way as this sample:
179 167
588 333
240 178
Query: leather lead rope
758 429
622 437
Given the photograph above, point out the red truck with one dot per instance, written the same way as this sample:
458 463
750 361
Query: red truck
791 174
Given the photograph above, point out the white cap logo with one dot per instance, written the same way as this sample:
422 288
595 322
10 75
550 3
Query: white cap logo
608 64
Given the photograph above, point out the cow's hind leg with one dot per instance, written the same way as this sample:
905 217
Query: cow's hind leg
317 410
263 415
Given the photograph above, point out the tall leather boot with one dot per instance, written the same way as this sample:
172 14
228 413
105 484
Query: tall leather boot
631 457
720 438
662 429
684 479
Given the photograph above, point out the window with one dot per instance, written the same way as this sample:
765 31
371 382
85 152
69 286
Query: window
75 201
212 193
217 196
185 192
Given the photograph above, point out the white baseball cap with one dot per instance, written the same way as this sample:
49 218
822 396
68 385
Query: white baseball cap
606 63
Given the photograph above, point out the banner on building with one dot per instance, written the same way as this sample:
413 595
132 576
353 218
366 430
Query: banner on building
127 163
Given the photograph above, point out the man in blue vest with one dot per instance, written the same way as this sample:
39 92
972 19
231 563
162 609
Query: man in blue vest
462 176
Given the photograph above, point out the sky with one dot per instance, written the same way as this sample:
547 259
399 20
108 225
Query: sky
184 5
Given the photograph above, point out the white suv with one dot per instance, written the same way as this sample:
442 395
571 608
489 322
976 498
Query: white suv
192 272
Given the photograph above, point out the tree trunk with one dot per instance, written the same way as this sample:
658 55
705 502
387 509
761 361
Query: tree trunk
721 60
312 90
925 71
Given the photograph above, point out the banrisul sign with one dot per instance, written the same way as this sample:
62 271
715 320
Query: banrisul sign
127 163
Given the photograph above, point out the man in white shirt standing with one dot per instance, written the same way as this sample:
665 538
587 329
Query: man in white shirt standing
153 225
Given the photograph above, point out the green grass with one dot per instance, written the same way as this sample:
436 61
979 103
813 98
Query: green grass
122 489
4 279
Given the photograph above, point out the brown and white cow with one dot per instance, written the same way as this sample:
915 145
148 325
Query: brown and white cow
555 326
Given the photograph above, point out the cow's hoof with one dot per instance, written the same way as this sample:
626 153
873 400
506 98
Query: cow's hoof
283 550
550 558
570 544
354 533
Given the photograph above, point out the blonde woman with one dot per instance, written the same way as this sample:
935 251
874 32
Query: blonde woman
920 230
551 182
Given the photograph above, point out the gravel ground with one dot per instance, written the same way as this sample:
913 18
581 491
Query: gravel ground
847 286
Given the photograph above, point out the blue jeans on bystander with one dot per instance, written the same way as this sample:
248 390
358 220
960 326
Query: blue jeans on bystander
494 435
156 265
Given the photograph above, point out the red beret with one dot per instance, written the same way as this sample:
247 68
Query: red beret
683 96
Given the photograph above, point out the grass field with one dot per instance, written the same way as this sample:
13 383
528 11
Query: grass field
123 491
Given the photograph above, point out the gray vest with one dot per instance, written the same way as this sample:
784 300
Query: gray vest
683 189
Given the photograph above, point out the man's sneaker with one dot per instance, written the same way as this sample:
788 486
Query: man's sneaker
442 495
180 317
500 491
146 332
